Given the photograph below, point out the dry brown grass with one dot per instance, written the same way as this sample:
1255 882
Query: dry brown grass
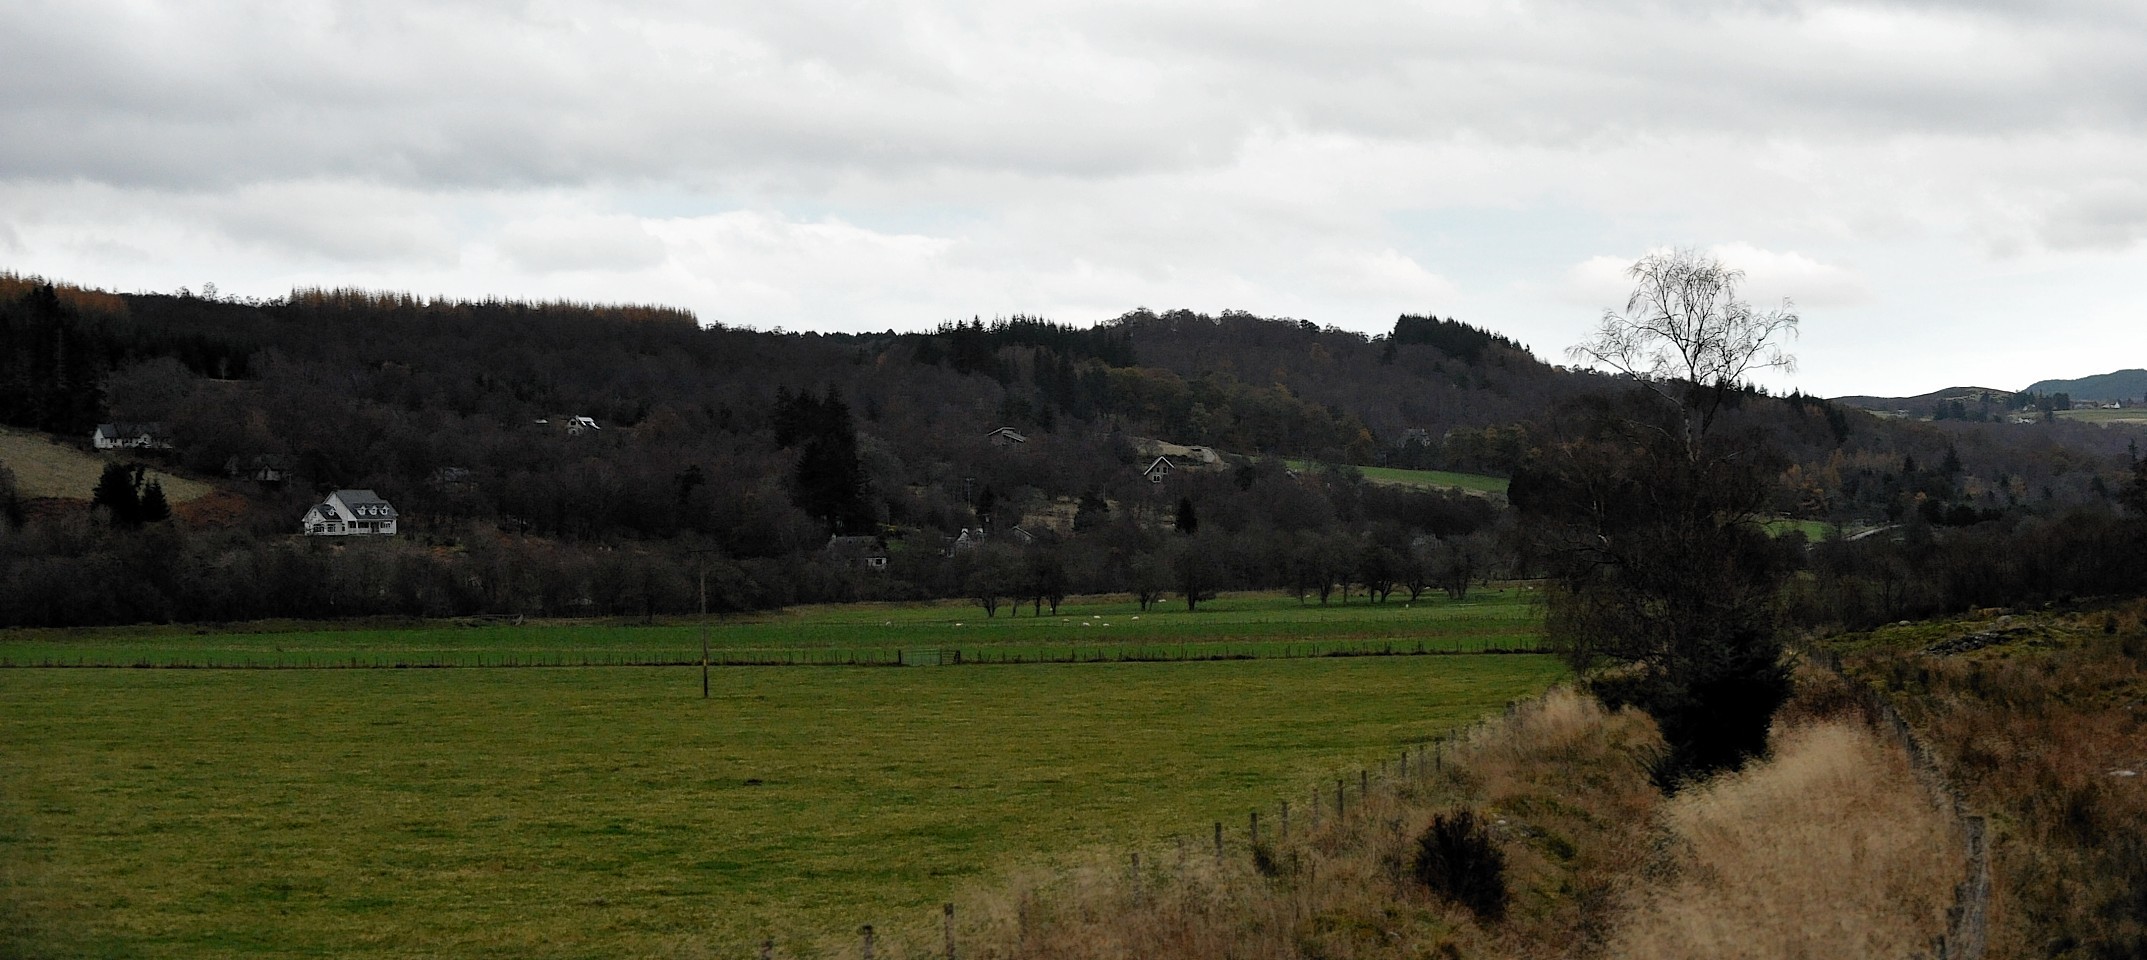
1831 849
44 468
1559 777
2039 731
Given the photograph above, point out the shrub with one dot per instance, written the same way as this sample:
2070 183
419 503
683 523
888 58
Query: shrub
1456 858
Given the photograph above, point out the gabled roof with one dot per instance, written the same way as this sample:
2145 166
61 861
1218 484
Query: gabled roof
853 543
1008 433
129 429
363 503
1160 463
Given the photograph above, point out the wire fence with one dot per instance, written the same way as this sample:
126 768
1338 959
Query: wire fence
1968 920
881 657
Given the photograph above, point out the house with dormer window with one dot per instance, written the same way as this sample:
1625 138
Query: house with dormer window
347 513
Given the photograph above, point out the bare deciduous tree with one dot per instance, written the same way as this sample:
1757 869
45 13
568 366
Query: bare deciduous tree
1687 336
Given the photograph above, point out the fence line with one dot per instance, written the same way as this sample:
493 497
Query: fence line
1968 920
1429 761
898 657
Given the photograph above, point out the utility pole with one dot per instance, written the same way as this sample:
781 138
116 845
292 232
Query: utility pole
704 633
700 567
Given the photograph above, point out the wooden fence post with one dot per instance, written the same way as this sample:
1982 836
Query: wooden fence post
1364 781
1254 829
866 930
1136 873
767 949
1338 798
1285 819
949 916
1218 841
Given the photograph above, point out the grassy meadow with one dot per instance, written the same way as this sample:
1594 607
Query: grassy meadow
2130 415
46 468
1426 479
601 812
1233 626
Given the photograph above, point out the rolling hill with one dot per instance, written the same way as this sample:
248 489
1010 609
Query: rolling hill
2101 388
1925 405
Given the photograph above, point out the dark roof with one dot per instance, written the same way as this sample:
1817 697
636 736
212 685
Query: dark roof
151 428
356 498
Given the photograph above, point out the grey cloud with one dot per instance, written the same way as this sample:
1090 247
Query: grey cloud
551 244
2108 214
793 96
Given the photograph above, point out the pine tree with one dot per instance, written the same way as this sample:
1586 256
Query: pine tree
1093 512
118 492
154 508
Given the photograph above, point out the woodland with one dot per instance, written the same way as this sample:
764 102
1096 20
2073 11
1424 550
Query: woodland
730 457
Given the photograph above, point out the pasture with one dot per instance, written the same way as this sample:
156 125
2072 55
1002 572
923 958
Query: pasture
612 812
2134 416
1427 479
46 467
1231 627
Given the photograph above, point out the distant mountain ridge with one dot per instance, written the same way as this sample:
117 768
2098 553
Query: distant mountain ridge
1925 405
2119 385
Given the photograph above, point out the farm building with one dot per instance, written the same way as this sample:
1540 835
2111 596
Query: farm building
350 513
867 552
130 436
268 468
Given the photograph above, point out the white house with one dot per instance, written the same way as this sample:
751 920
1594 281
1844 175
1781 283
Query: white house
125 436
350 513
1159 469
573 425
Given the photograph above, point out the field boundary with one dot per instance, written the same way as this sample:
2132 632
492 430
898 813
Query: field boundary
947 657
1968 920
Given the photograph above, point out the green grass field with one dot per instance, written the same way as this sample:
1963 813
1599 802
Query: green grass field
1085 629
604 812
2136 416
1428 479
1813 530
46 468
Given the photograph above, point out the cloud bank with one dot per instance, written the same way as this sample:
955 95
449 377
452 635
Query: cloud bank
1906 171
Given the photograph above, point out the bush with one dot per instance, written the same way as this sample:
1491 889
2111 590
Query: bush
1456 858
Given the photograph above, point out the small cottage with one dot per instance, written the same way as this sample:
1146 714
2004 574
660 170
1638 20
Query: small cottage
867 552
263 468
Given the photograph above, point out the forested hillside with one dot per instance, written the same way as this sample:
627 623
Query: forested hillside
741 452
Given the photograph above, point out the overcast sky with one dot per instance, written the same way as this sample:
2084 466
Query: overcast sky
1952 193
